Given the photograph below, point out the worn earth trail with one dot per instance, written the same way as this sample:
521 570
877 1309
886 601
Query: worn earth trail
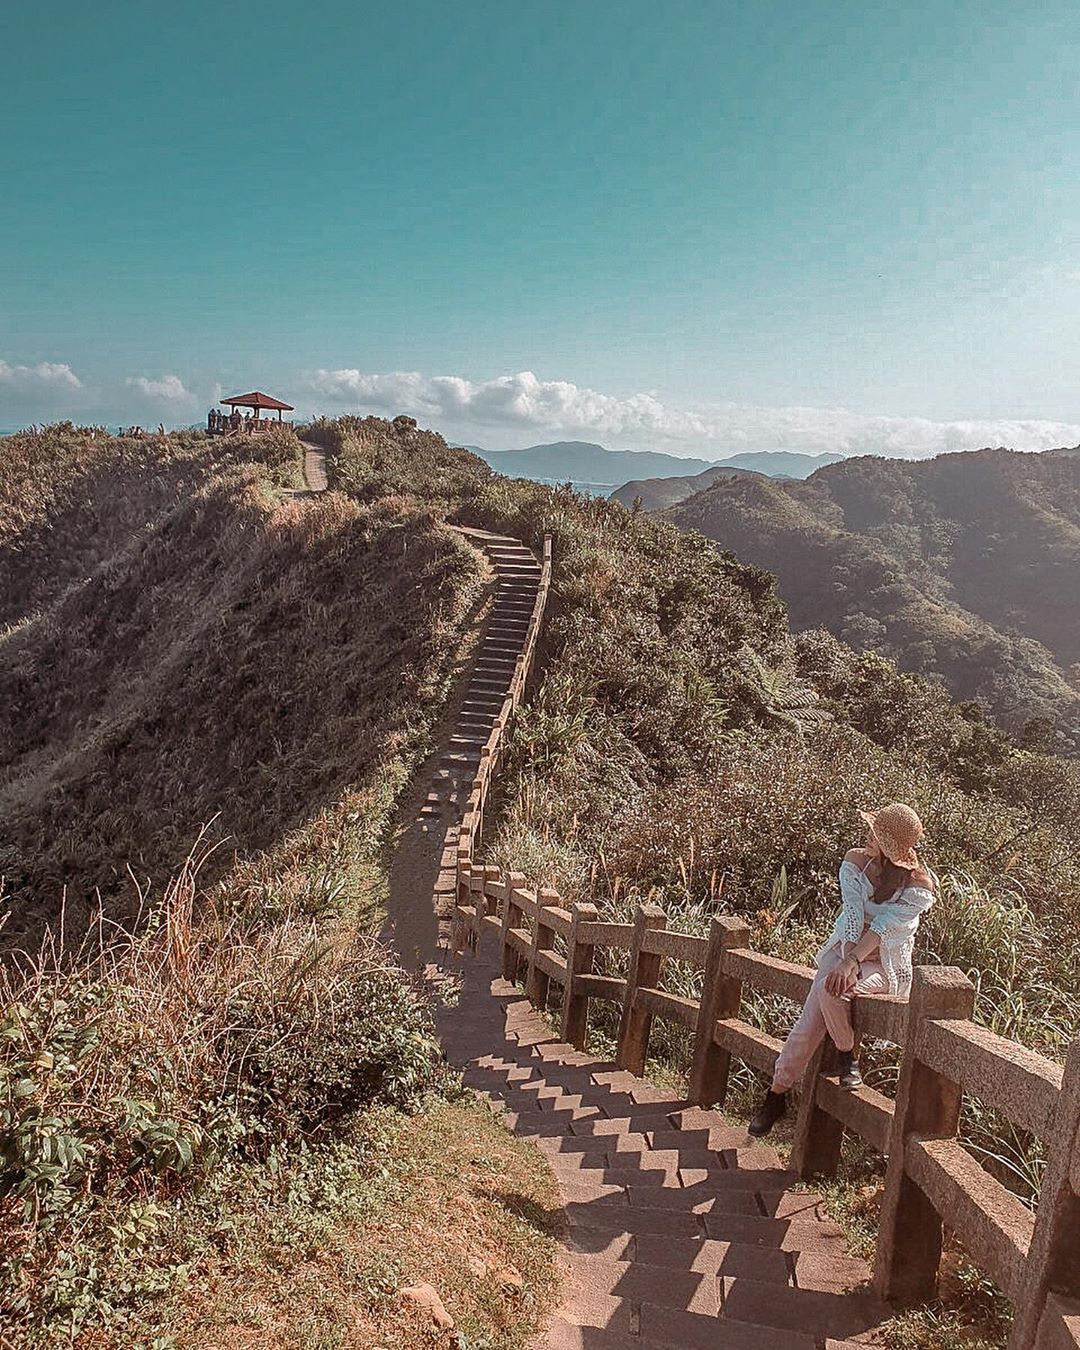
681 1231
314 472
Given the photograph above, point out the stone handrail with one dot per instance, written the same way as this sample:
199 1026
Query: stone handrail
931 1179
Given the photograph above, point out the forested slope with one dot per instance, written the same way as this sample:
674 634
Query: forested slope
965 567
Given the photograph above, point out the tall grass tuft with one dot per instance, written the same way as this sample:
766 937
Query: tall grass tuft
138 1069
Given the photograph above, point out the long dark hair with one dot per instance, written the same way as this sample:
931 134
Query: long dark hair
893 878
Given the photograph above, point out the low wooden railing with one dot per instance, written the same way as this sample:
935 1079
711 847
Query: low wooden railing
931 1181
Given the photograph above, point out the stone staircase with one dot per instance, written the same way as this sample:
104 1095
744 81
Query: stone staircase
682 1232
425 856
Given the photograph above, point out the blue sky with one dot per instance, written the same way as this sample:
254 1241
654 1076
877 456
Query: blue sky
697 227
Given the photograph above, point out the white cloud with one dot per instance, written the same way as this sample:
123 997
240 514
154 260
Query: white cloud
165 389
523 403
45 375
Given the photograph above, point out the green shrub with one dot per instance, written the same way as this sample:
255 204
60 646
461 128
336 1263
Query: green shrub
136 1074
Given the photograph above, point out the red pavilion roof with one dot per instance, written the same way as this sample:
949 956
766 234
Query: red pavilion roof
257 400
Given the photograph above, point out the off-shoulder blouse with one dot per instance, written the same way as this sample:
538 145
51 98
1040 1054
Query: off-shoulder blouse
894 920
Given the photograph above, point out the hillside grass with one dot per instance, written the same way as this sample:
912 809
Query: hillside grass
241 662
446 1198
212 1077
963 568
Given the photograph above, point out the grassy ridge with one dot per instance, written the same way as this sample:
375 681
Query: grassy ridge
238 658
189 1100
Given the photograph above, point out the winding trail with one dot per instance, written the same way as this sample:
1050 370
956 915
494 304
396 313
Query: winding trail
314 467
682 1232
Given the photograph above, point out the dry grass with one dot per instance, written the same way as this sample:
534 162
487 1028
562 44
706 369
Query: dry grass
240 659
446 1198
72 497
153 1081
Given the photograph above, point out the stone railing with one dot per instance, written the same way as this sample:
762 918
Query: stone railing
931 1182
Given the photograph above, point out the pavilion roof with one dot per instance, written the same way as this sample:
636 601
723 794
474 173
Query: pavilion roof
257 400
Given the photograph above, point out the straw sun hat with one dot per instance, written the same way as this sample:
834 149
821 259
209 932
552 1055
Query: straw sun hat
896 829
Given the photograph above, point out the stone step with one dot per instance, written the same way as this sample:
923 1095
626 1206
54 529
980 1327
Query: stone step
829 1272
669 1329
561 1334
629 1220
510 630
716 1258
800 1310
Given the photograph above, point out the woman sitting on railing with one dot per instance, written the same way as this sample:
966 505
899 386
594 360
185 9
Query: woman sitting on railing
885 890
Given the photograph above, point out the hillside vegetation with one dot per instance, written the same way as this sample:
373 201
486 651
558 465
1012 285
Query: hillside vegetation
686 747
963 568
193 1093
211 1073
226 656
654 494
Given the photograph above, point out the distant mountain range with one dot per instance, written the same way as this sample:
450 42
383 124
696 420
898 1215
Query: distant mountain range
965 567
594 466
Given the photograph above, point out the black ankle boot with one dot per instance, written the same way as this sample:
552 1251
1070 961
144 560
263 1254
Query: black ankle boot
768 1113
847 1070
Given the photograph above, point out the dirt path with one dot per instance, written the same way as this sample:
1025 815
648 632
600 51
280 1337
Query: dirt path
314 467
314 473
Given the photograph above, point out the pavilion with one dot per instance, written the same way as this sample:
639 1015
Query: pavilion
224 422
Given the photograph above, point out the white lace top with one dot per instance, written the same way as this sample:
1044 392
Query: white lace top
894 920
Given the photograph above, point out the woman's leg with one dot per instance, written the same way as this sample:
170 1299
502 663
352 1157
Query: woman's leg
836 1011
807 1033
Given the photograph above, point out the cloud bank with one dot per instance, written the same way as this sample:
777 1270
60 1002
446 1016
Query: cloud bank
165 389
524 403
45 375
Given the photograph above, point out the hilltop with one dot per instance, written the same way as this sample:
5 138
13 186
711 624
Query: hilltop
654 494
965 568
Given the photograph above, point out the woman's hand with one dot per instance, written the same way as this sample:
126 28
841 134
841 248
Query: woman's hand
842 977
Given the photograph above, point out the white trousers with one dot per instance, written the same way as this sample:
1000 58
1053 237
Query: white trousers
824 1013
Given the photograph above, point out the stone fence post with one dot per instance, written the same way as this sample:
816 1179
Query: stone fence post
643 971
538 981
927 1104
512 916
1053 1263
580 957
